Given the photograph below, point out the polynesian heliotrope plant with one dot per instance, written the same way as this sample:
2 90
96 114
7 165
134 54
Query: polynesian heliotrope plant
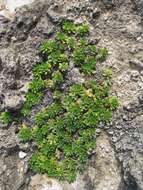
64 132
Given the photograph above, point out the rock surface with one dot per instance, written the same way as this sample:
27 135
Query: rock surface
117 25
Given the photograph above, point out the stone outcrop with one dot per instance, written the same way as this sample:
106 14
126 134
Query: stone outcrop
117 25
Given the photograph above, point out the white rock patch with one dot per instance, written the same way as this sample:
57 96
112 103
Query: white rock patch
8 7
11 5
22 154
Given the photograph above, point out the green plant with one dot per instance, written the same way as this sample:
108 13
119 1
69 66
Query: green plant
63 66
82 29
26 109
6 117
57 77
36 86
25 134
33 98
108 73
41 70
79 56
65 40
89 66
64 132
102 54
57 95
48 113
69 27
113 103
49 46
76 90
85 57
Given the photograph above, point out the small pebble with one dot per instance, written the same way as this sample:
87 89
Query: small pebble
125 118
141 73
119 127
114 139
134 75
111 132
98 131
141 99
22 155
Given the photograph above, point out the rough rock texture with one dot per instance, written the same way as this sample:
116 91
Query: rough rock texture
12 172
117 25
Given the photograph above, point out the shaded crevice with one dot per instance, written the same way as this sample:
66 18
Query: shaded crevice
1 67
10 151
131 183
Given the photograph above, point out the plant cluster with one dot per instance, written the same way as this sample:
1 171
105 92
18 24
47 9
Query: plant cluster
64 132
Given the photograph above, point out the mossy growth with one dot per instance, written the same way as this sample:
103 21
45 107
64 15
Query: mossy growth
6 117
64 132
25 133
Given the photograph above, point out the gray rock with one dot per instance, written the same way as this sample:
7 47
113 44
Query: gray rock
141 99
137 64
96 13
13 102
98 131
8 140
109 3
75 76
118 26
13 172
55 13
134 75
139 6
